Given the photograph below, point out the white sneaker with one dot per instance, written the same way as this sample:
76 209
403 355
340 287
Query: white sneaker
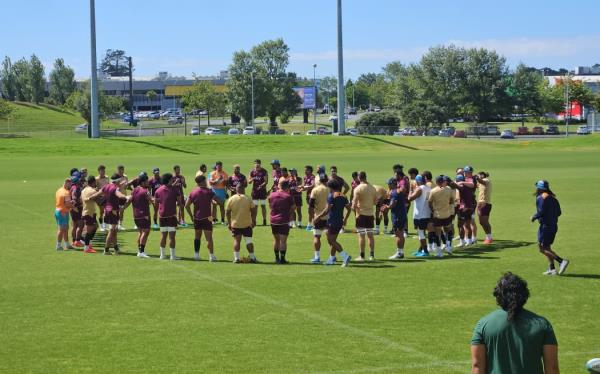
371 258
376 231
449 250
212 258
143 255
460 244
405 235
563 266
102 228
163 257
439 253
550 272
359 259
341 230
121 228
135 227
174 258
396 256
196 256
444 246
330 261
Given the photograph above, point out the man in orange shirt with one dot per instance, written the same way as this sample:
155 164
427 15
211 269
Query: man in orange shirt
63 205
218 183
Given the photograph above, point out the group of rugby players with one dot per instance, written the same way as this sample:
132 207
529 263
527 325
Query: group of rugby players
436 202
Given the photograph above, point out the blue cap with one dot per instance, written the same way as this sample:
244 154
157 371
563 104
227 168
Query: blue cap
75 178
391 182
419 179
321 169
439 179
542 185
468 169
275 162
460 178
156 170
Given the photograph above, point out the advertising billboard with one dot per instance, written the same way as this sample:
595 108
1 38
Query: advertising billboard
307 97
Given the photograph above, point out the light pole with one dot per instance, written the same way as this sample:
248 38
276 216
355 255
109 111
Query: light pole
252 83
567 105
315 86
341 100
95 128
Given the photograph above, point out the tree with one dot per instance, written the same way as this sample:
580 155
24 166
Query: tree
552 97
151 95
5 109
37 82
203 95
115 63
62 82
381 123
80 100
525 90
273 86
7 80
21 76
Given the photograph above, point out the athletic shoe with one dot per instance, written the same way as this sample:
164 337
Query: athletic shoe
460 244
309 227
405 235
103 227
330 261
174 258
417 252
121 228
212 258
448 250
341 230
78 244
439 253
315 260
163 257
376 231
396 256
155 227
117 252
371 258
550 272
106 253
59 248
142 255
422 254
444 246
283 261
346 261
69 246
254 260
488 241
236 261
563 266
197 256
135 227
89 250
183 224
359 259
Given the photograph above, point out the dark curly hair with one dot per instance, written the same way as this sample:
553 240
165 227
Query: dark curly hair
511 294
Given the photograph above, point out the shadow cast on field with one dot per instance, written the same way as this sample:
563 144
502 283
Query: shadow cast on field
164 147
586 276
392 143
13 136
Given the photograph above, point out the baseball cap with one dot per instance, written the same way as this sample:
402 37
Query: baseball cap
156 170
391 182
460 178
419 179
275 162
542 185
439 179
468 169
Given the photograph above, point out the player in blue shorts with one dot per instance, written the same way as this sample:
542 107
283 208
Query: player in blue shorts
397 206
548 211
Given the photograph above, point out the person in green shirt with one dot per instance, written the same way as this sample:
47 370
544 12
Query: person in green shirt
513 339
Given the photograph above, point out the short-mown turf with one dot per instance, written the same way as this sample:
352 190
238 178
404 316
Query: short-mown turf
71 312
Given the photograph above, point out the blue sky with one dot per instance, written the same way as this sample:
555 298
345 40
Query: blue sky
196 36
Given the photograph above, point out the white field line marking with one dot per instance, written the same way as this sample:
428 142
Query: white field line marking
23 209
391 344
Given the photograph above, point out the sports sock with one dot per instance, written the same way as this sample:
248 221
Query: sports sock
372 254
442 238
116 248
317 254
552 265
559 259
282 255
276 254
197 245
431 237
162 251
488 236
343 254
236 255
172 251
400 251
142 248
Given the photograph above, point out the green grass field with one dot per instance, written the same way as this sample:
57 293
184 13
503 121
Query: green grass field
70 312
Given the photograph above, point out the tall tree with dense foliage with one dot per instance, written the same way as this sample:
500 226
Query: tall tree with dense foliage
62 82
115 63
525 91
21 76
239 86
80 100
37 80
5 109
7 80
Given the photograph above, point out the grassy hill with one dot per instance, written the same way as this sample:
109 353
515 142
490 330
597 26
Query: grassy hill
28 117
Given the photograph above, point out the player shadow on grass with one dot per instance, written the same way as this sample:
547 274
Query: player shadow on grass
155 145
587 276
393 143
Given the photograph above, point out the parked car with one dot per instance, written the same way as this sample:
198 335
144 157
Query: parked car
552 130
523 130
538 130
446 132
583 130
195 131
213 131
409 132
154 115
460 134
507 134
352 111
492 130
311 132
82 127
249 130
175 120
376 109
295 133
233 132
352 131
397 133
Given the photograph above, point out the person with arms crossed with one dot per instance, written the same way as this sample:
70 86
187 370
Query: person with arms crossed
512 339
548 211
202 199
259 179
316 204
281 204
218 183
180 184
89 196
241 218
336 203
363 204
63 205
113 198
167 197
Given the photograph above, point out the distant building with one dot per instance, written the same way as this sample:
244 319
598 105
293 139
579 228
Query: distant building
576 110
588 70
